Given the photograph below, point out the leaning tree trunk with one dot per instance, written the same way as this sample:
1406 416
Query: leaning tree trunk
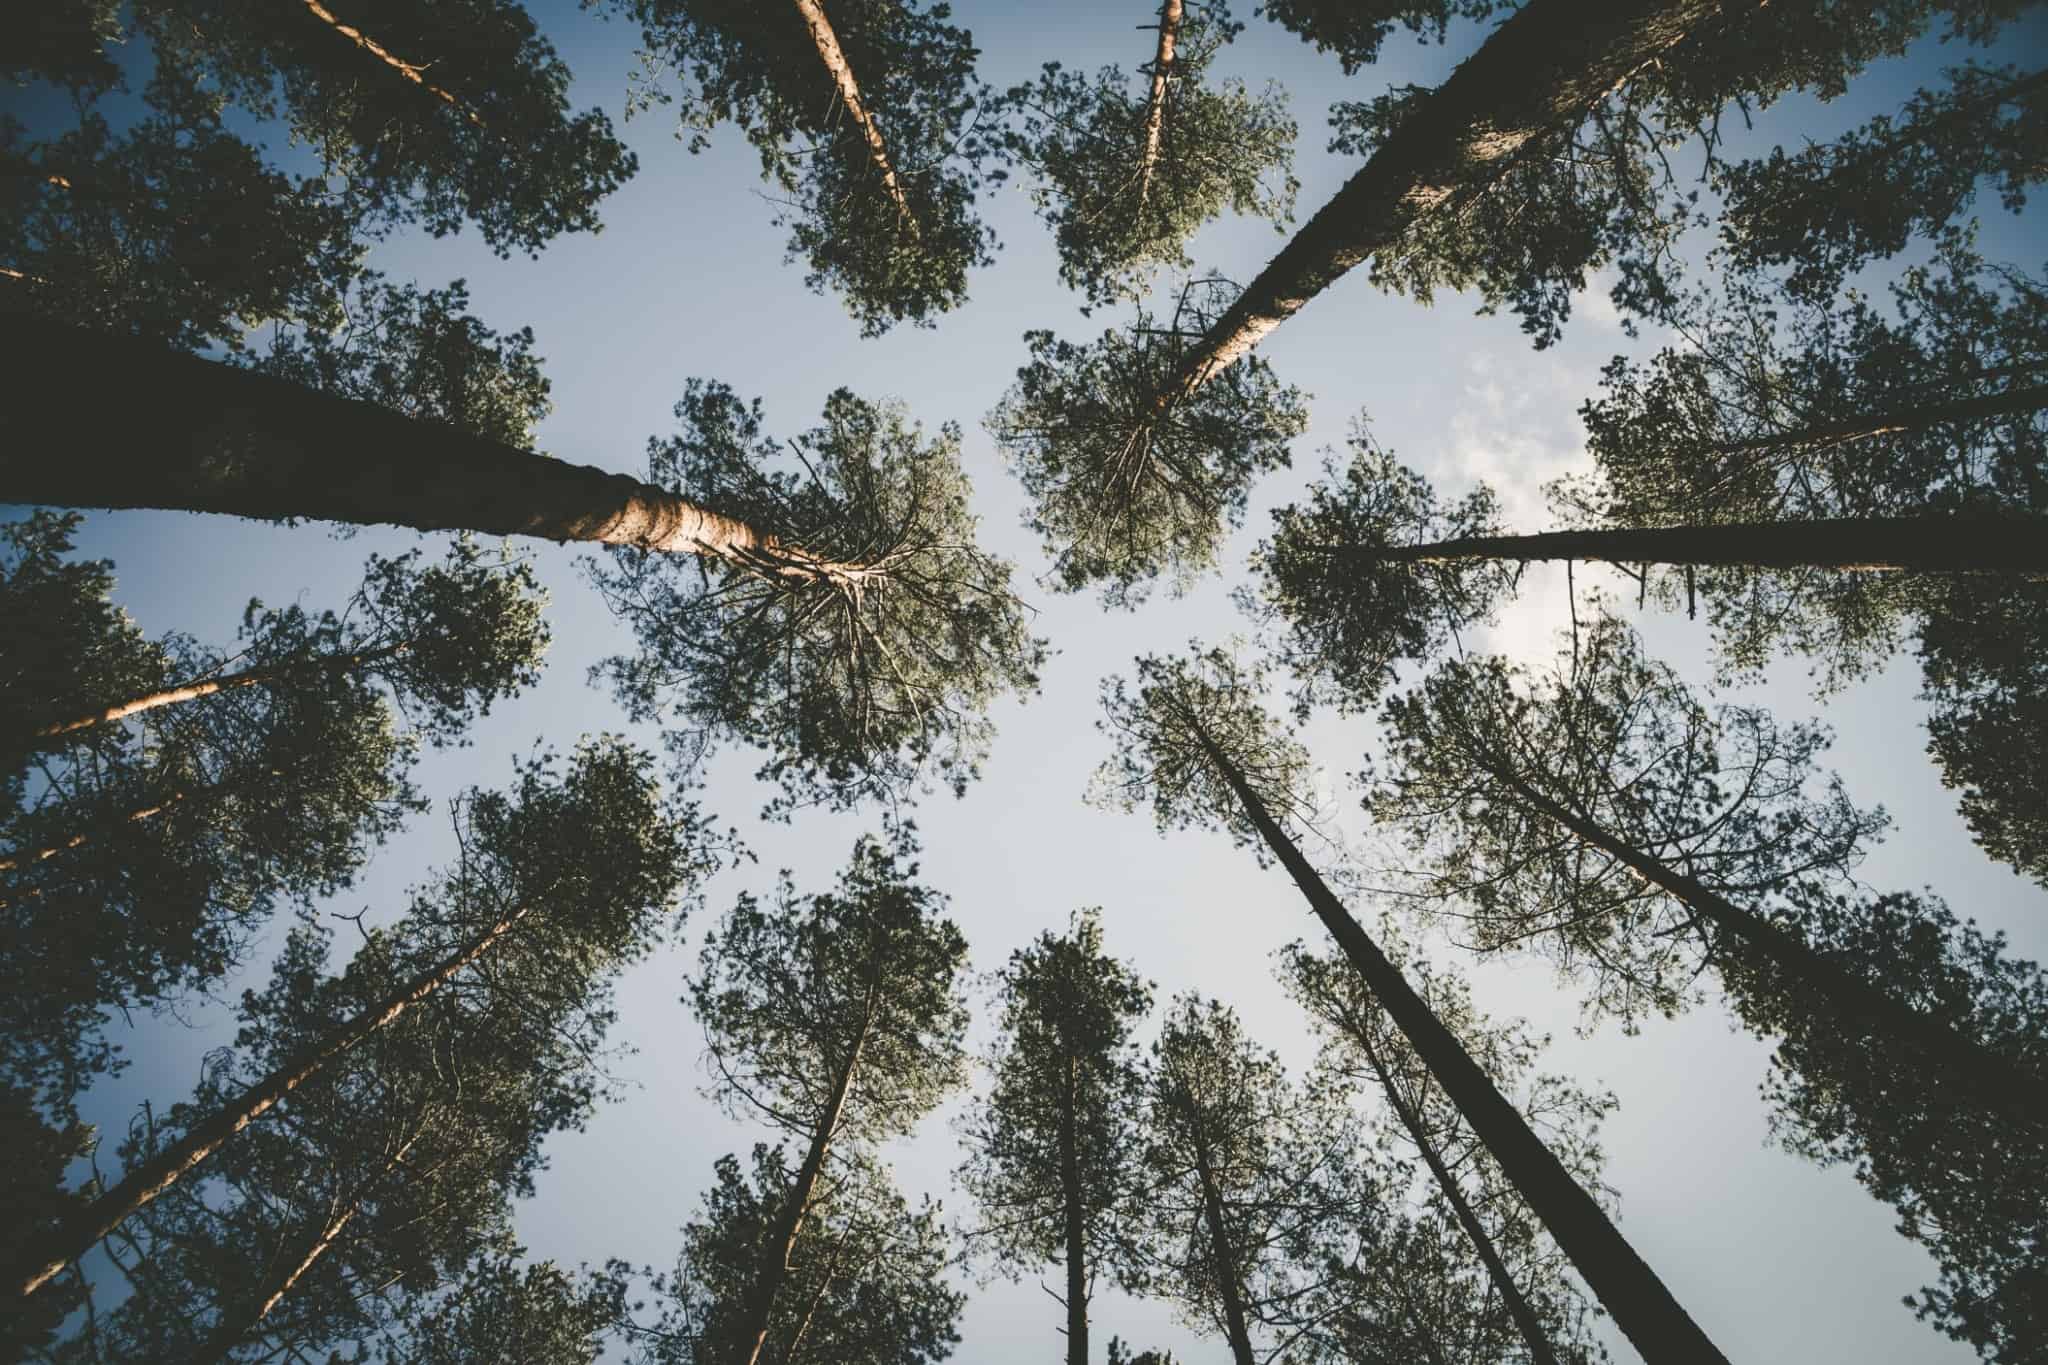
174 696
231 1334
841 71
1076 1225
1549 64
775 1264
1919 417
1931 544
1525 1319
1234 1323
45 1256
194 435
24 859
1996 1082
1654 1322
413 72
1155 103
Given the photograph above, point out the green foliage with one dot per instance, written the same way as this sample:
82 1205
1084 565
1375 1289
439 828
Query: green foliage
1353 32
1168 732
865 1282
1349 615
1126 485
757 66
1725 796
1118 221
1055 1136
1961 1177
502 1311
37 1195
864 666
795 993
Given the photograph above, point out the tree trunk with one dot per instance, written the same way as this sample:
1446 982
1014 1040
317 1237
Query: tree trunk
1654 1322
1226 1265
48 1255
834 58
1077 1248
84 837
1929 544
1996 1082
1155 106
173 696
1526 1322
1824 434
413 73
1543 69
775 1264
231 1334
194 435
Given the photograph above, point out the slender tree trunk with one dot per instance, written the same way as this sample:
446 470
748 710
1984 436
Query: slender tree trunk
231 1334
1226 1265
1542 70
1917 418
834 58
415 74
775 1265
1930 544
1155 106
1997 1082
1526 1322
194 435
29 859
1654 1322
1077 1245
44 1257
174 696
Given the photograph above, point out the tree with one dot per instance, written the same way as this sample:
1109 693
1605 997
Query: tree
1362 1045
868 118
561 884
502 1310
1124 488
1639 838
1193 742
1249 1177
863 1283
837 1018
1052 1149
864 663
1124 182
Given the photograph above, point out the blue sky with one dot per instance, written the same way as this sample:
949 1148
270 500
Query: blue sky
1778 1260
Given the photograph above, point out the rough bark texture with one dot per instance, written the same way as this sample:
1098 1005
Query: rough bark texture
1533 1335
413 73
775 1266
1542 69
1226 1266
1654 1322
1077 1244
1822 435
1997 1082
1939 544
1155 105
44 1257
834 58
193 435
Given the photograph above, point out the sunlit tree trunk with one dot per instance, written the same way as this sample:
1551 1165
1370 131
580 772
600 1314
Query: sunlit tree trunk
1533 1335
44 1257
1996 1082
775 1264
1931 544
197 436
1155 104
1544 68
30 858
841 71
412 72
1654 1322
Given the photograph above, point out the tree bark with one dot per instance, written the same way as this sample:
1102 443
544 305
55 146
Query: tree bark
415 74
174 696
1997 1082
1526 1321
1155 106
1654 1322
775 1265
841 71
1076 1215
1821 435
84 837
1547 65
198 436
1929 544
44 1257
1226 1264
230 1335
